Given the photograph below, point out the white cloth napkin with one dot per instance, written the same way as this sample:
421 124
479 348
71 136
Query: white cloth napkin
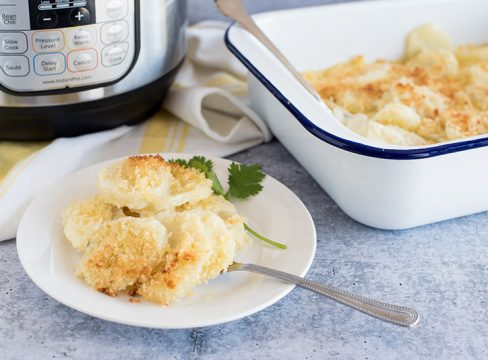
209 95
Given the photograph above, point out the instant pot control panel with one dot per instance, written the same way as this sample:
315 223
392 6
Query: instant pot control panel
48 45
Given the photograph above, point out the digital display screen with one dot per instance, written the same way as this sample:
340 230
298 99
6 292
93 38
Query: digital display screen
60 4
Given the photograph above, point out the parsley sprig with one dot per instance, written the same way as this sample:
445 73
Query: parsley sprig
206 167
244 182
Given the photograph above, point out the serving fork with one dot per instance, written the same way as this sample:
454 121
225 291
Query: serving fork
398 315
235 10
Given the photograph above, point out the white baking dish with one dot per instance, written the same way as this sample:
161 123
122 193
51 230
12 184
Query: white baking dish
379 185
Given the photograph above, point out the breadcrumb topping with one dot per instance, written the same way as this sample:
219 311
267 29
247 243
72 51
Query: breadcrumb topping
149 183
436 93
156 230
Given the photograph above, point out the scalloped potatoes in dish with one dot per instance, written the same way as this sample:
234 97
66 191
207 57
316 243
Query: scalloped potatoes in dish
436 93
155 229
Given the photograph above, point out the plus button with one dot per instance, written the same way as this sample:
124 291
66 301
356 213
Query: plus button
80 16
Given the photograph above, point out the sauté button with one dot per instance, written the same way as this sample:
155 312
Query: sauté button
115 32
14 65
82 60
47 19
80 16
49 64
48 41
13 43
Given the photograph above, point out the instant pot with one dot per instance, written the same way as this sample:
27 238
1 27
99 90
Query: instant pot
69 67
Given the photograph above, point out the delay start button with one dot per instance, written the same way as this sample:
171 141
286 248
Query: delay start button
13 43
49 64
82 60
48 41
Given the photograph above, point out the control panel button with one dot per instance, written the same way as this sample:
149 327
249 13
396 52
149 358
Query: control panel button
47 20
82 60
8 18
13 43
116 9
115 32
48 41
49 64
82 38
80 16
115 54
60 14
13 15
15 65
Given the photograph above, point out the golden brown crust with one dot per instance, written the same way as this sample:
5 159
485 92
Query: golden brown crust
147 184
160 256
122 254
447 88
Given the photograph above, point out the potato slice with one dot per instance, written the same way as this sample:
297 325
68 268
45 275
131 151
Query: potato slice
428 37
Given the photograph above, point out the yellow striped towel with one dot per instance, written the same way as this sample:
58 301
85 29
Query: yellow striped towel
203 114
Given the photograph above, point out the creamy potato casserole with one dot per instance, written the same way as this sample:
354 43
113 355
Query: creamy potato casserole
155 229
436 93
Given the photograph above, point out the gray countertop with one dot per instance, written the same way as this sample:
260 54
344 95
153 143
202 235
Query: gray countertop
440 269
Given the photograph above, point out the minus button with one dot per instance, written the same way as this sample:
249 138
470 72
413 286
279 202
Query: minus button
47 20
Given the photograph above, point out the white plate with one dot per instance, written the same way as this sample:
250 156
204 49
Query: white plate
50 261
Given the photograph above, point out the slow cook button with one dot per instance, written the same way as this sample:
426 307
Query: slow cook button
49 64
13 43
115 32
82 38
116 8
48 41
14 65
115 54
82 60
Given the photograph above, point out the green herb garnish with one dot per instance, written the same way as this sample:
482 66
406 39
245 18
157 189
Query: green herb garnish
206 167
244 182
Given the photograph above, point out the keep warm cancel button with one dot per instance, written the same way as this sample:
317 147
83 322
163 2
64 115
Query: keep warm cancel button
82 60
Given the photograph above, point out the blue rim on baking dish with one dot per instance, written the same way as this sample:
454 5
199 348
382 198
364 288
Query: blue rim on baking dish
349 145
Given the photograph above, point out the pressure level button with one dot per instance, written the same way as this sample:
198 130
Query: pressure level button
48 41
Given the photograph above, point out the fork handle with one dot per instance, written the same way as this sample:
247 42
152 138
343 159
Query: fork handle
235 10
398 315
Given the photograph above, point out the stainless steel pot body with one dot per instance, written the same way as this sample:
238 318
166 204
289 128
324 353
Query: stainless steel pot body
126 49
